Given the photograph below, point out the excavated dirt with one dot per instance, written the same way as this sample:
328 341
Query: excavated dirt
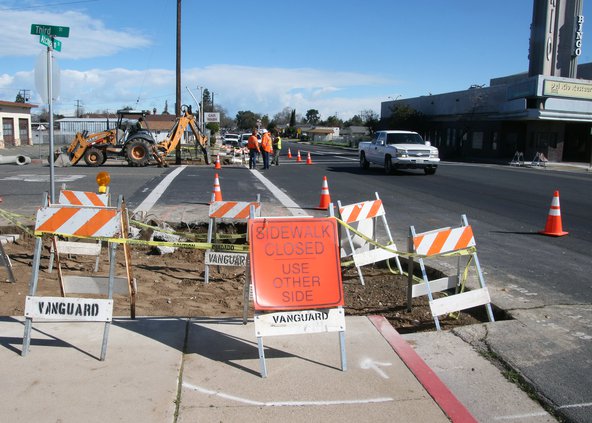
173 285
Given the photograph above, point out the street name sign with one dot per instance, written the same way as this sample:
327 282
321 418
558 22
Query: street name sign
47 41
56 31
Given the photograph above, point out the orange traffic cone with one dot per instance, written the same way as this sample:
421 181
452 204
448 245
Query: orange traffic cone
298 158
308 159
217 164
325 196
553 226
216 192
289 153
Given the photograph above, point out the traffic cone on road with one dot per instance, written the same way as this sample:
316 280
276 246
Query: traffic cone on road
216 192
298 158
325 196
217 164
308 159
289 153
554 226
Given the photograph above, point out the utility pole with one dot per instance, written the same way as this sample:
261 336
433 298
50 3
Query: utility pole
178 74
77 108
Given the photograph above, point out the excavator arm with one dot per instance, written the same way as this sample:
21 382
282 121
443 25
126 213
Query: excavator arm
164 148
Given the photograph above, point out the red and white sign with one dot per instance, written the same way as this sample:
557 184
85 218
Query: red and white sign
212 117
295 263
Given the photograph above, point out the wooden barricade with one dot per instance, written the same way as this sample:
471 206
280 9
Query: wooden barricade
447 242
364 216
5 262
90 223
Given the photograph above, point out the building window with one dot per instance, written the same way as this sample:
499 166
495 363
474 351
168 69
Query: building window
494 140
8 130
477 141
24 131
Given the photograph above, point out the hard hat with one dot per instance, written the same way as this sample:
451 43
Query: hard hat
263 131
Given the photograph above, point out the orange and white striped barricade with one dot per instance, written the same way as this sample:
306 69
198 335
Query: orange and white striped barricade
80 222
79 198
363 217
447 242
227 210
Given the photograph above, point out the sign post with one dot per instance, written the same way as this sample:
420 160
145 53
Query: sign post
296 273
47 34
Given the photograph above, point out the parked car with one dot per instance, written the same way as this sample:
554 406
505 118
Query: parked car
230 137
245 137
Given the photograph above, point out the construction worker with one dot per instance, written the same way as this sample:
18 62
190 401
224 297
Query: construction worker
266 147
277 146
253 146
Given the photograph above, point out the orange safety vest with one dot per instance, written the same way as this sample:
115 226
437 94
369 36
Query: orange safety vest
266 143
253 143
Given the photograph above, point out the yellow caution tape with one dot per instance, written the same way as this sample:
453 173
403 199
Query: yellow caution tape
15 219
176 244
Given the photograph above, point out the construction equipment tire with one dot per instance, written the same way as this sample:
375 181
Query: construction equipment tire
137 153
94 157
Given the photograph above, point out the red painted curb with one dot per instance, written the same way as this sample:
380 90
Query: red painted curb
445 399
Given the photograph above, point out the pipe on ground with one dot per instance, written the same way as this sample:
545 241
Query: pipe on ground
19 160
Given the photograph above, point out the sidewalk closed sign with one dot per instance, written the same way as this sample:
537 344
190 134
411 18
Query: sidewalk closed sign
295 263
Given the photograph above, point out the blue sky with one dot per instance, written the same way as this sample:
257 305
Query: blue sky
337 56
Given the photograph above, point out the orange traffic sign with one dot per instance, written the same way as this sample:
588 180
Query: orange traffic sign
295 263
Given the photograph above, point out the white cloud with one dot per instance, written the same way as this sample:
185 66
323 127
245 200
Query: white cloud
261 90
88 37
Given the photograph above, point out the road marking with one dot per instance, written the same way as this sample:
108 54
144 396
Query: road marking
283 403
368 363
521 416
582 405
157 192
280 195
42 178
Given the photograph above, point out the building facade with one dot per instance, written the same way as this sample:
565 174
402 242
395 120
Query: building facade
16 124
546 110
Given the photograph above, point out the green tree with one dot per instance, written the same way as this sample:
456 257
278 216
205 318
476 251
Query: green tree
207 100
213 127
404 117
333 121
246 120
371 120
293 118
166 108
19 98
312 116
356 120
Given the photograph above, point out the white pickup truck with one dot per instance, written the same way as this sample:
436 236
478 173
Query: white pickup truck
399 150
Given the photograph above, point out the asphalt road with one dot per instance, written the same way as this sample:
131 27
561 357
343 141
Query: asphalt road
542 282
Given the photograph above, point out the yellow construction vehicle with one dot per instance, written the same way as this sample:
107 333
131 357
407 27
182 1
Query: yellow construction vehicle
133 142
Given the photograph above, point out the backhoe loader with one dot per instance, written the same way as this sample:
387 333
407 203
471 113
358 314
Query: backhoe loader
134 144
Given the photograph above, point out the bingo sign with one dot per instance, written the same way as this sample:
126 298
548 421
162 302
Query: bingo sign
295 263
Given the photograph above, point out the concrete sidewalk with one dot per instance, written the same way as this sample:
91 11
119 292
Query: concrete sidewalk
207 370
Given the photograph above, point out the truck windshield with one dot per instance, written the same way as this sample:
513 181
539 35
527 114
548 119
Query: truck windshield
404 139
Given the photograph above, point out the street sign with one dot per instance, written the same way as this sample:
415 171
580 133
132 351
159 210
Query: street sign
47 41
56 31
295 263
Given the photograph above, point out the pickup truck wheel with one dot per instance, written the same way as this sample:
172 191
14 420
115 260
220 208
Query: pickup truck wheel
94 157
137 153
430 171
364 164
388 165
